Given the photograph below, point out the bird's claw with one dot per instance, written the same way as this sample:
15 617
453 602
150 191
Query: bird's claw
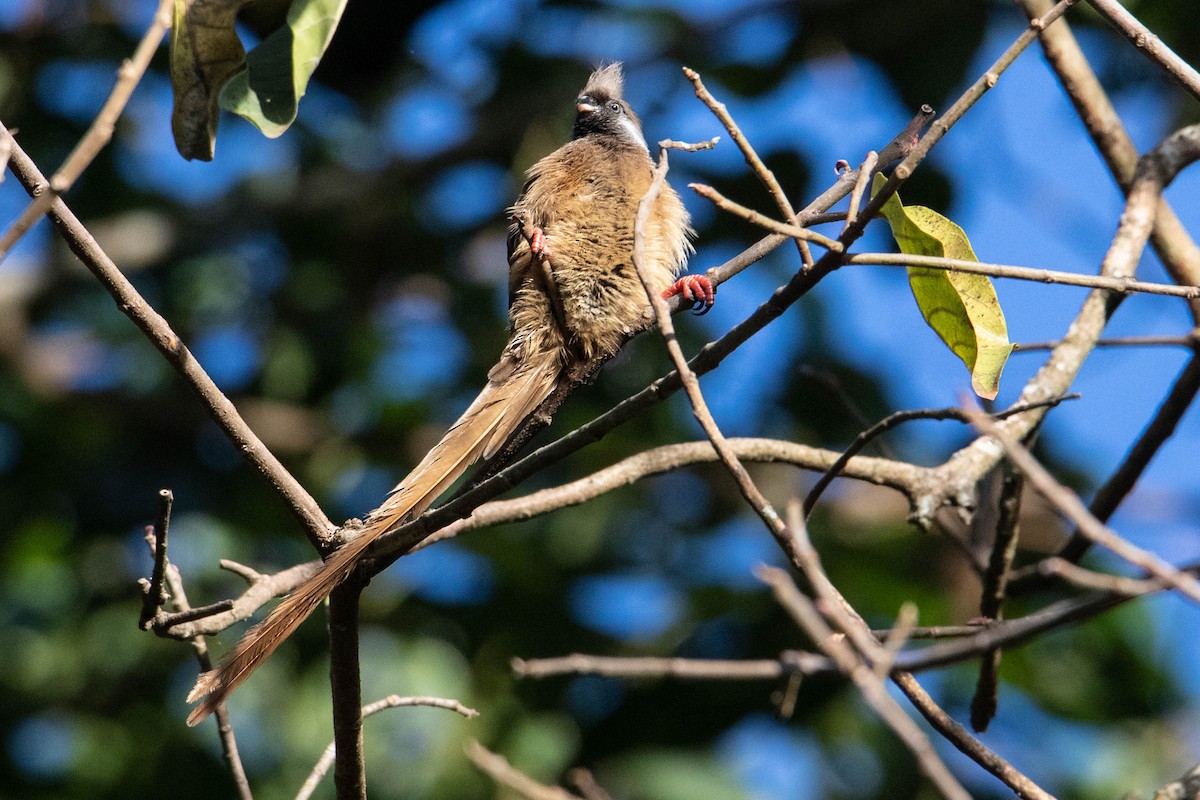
697 290
537 241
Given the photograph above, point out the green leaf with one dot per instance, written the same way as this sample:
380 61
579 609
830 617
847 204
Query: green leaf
205 52
268 91
962 308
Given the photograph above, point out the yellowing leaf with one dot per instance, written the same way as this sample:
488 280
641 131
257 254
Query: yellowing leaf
962 308
268 91
205 52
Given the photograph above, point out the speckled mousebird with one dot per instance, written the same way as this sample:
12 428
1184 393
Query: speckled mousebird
579 208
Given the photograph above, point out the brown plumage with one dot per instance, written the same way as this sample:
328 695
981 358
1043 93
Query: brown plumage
582 201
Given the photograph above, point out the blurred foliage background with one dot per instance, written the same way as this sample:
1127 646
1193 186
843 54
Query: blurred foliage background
345 285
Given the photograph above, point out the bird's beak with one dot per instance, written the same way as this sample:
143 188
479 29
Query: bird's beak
585 108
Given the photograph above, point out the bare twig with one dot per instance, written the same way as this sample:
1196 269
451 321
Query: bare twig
899 418
965 742
898 148
1188 340
1170 239
755 163
1087 579
391 701
691 384
882 472
173 583
261 590
1121 284
316 525
680 668
167 621
935 631
156 590
1114 491
761 220
871 686
995 586
498 768
1070 504
897 636
98 134
961 106
865 171
963 643
1149 45
844 615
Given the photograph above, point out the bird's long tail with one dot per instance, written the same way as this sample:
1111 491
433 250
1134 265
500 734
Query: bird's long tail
513 391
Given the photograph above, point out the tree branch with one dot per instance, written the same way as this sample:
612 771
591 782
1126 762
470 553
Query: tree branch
316 525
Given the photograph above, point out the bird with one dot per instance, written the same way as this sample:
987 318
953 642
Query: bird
574 294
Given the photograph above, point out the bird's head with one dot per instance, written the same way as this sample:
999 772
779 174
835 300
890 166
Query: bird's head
601 110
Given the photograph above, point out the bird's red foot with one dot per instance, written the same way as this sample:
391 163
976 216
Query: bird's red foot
537 241
697 290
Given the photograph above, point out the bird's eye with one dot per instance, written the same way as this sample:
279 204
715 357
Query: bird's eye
615 107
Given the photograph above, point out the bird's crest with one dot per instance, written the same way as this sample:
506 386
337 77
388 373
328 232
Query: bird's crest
608 81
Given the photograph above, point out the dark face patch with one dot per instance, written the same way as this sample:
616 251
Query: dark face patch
602 115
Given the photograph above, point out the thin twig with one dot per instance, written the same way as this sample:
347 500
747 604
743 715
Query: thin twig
260 591
1188 340
995 586
691 384
262 588
316 525
200 612
756 164
1149 44
391 701
1121 285
1166 418
963 643
897 636
498 768
1069 503
1175 247
1087 579
98 134
898 148
899 418
156 539
844 615
761 220
961 738
156 591
961 106
680 668
934 631
865 172
872 687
